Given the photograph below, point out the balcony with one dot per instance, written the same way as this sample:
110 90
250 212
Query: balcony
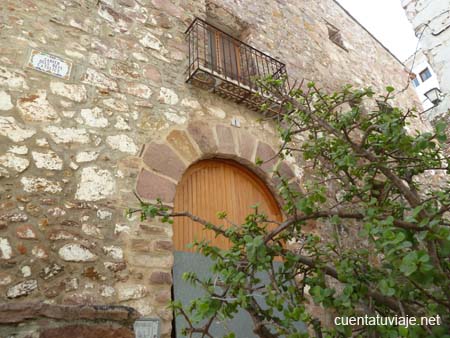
231 68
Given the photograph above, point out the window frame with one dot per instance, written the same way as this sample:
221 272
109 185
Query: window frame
425 74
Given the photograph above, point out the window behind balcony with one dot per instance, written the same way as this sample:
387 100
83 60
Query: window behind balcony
223 54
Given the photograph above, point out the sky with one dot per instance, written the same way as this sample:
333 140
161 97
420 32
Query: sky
387 21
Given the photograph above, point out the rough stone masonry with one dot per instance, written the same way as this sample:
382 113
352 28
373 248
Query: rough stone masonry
74 150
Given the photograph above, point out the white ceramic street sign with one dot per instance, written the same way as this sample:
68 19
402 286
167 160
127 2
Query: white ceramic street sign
49 64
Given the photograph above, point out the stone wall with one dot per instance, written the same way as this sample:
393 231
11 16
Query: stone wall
73 151
41 320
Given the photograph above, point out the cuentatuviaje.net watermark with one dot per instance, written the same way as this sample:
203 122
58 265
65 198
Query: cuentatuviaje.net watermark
378 320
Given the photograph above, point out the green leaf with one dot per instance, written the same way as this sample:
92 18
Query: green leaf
440 127
385 287
409 263
221 214
230 335
403 331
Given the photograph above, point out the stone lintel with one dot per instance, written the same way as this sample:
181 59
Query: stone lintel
18 312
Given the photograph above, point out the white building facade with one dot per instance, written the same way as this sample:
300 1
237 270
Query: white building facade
431 22
423 78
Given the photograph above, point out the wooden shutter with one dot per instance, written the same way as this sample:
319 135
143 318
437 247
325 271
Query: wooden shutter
212 186
223 54
228 55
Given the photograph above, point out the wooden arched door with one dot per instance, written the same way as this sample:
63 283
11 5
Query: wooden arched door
212 186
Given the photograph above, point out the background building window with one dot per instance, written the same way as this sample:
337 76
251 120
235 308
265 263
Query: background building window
415 82
425 74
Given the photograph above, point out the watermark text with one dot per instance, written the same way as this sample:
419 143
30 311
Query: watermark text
378 320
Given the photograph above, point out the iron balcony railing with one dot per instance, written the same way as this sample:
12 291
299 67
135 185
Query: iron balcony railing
230 67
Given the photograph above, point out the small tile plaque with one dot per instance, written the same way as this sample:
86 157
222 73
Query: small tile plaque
235 122
49 64
146 328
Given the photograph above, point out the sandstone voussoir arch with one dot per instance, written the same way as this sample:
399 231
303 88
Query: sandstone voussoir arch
164 161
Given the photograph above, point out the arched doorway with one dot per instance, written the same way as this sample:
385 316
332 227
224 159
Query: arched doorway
208 187
212 186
